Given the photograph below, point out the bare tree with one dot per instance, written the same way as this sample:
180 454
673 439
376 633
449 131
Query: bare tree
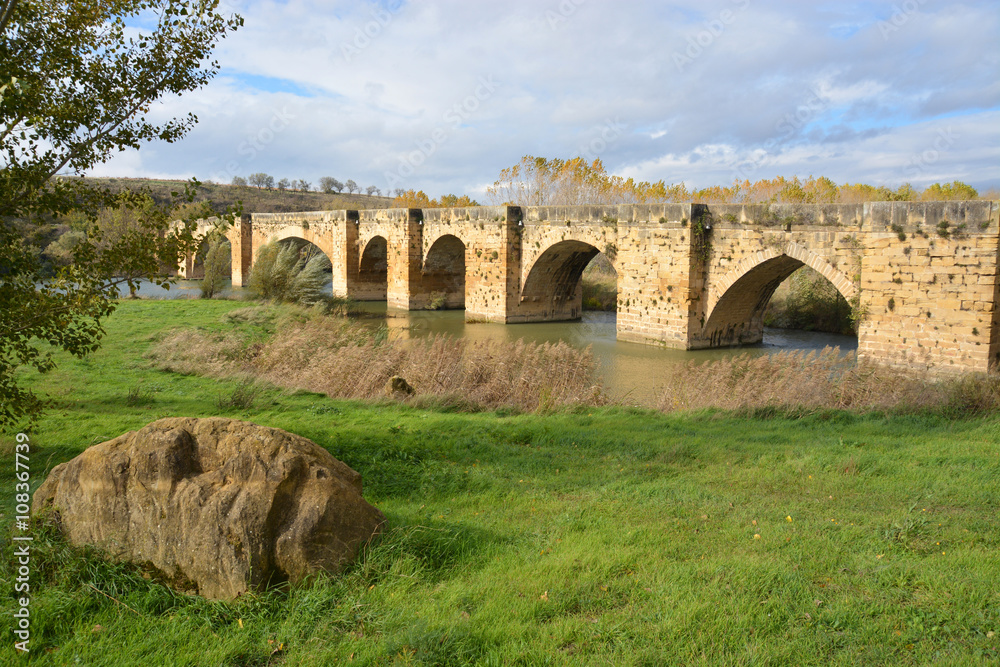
261 180
352 186
330 184
372 189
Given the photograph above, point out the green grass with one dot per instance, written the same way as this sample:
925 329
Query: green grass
595 536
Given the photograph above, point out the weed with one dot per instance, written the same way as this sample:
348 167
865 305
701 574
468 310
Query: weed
138 395
242 397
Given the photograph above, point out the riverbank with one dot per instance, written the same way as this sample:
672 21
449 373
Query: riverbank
591 535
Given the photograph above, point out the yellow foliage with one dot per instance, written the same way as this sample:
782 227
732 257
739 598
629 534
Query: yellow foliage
538 181
419 199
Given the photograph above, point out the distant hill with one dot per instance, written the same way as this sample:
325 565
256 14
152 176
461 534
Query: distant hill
255 200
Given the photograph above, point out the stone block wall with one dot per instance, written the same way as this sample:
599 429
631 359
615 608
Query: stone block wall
923 276
930 285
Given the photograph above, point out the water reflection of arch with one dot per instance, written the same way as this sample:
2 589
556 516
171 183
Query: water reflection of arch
373 271
443 273
736 307
553 288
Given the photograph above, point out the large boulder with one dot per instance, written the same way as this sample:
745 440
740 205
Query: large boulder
219 504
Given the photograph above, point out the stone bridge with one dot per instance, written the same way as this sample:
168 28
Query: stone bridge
922 277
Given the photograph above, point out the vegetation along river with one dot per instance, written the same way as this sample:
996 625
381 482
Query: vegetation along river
630 371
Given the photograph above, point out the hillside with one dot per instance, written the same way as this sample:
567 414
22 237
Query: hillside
254 200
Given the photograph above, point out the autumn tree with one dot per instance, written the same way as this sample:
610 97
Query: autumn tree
76 83
419 199
956 190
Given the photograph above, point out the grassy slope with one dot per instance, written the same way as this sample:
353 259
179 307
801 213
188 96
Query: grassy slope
254 200
593 537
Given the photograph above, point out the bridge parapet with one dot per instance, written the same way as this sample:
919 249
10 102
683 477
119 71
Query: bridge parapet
923 277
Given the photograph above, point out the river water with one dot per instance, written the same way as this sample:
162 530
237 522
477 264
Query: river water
630 371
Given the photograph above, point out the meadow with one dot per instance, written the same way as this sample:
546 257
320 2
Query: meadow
563 534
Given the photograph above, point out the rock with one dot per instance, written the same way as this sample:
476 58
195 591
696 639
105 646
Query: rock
219 504
398 387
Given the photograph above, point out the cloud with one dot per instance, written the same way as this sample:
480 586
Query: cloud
391 93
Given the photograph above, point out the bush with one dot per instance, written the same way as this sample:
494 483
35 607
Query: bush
811 303
217 268
290 273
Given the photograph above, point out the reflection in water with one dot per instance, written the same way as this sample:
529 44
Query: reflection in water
629 370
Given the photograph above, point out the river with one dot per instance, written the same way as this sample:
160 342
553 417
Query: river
630 371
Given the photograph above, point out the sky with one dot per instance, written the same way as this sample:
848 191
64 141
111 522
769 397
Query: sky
441 95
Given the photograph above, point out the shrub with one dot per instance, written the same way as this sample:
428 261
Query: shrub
217 268
290 273
811 303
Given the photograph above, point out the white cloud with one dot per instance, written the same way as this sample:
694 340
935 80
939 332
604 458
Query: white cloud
817 88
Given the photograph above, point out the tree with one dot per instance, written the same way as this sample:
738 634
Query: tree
372 189
76 82
303 185
261 180
239 181
283 184
351 186
218 265
330 184
949 191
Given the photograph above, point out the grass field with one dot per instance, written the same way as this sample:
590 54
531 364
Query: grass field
588 536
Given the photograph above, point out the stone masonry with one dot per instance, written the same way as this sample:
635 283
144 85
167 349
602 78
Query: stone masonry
923 277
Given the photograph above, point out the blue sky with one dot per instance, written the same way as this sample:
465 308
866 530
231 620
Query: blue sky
441 95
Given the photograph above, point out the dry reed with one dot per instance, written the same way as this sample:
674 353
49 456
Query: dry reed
345 360
342 359
822 380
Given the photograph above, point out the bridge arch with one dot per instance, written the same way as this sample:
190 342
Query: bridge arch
373 271
553 287
443 274
736 313
195 269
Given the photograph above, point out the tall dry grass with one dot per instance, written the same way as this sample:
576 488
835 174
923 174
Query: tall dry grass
345 360
819 381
